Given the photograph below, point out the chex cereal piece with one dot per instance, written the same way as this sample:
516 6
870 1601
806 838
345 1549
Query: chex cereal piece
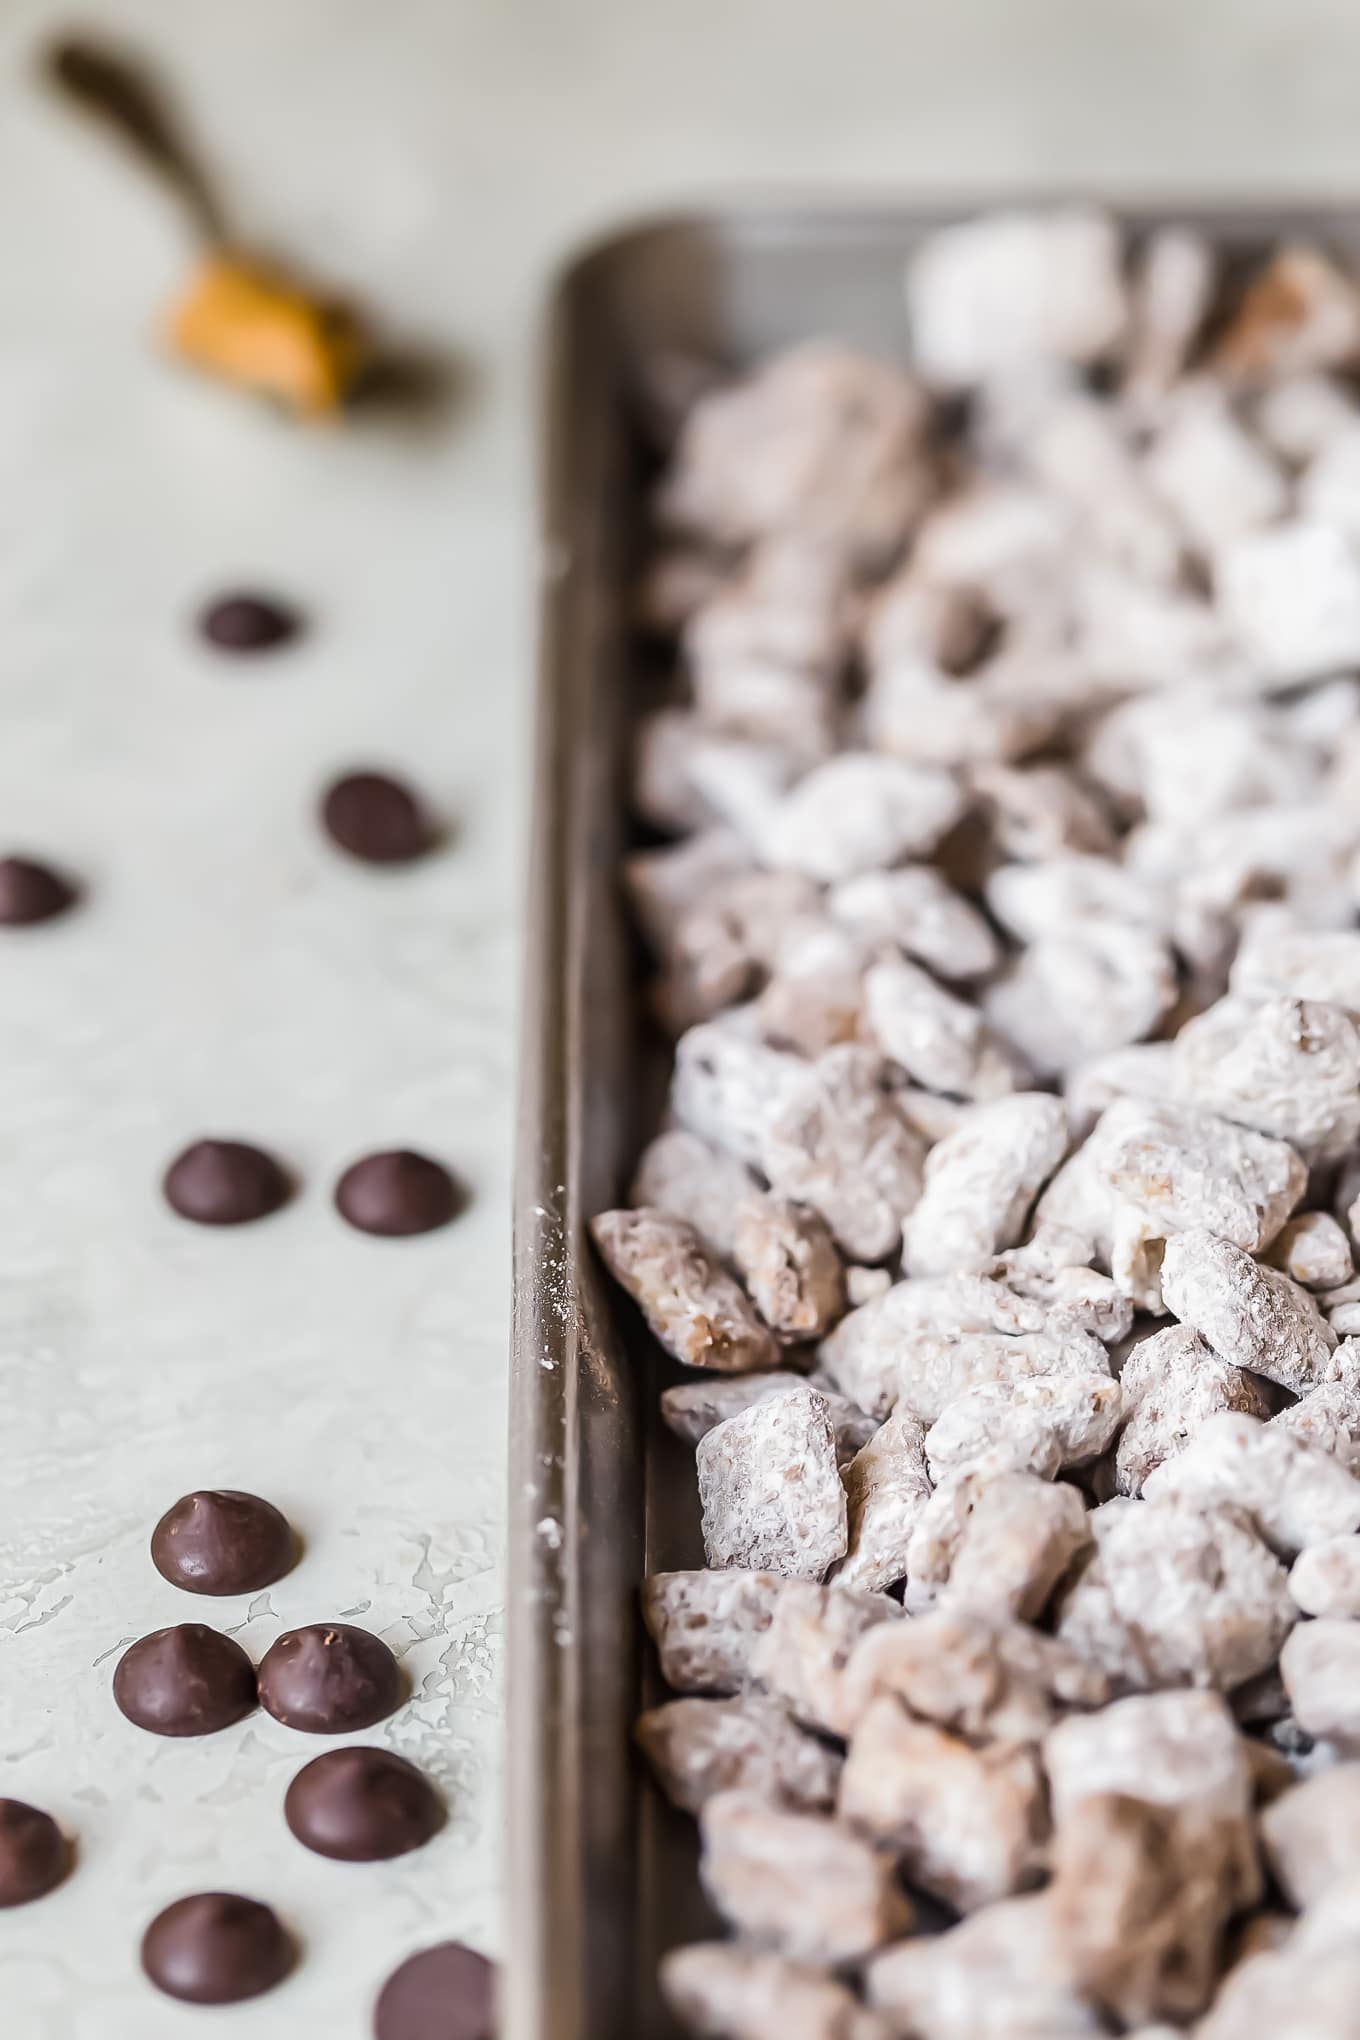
1300 314
706 1625
1007 536
729 1087
1001 1974
953 630
664 885
1330 489
1078 1199
914 711
1284 962
673 586
692 1306
1342 1308
1220 481
1174 1749
698 1748
1328 1416
858 812
723 1991
1013 288
939 1040
862 1355
804 1650
1033 900
815 998
1313 1250
1177 1595
887 1487
1292 595
1250 1314
786 608
1294 1493
692 1409
1081 991
697 1182
1300 417
1172 1382
789 1264
770 1488
1320 1666
968 1825
720 949
820 439
864 1285
1311 1834
1325 1578
1287 1066
1046 1423
1254 1317
838 1143
985 1681
1172 290
935 1368
1036 812
981 1182
1183 1168
809 1886
663 793
1142 1070
1140 1902
1058 1277
918 910
739 778
995 1545
1307 1985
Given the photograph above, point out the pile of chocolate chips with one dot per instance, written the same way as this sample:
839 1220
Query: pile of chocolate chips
356 1804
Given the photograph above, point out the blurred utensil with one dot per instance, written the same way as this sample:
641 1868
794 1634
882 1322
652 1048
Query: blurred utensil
242 317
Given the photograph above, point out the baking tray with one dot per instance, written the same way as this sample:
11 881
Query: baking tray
601 1874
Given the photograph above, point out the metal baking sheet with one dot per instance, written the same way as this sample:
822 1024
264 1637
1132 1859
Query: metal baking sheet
601 1873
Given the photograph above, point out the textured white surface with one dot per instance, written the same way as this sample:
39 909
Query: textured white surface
227 973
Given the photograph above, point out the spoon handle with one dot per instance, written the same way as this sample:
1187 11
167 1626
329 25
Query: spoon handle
121 94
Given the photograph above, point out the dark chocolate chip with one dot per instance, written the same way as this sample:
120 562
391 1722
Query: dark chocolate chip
220 1541
33 1852
248 623
396 1194
30 893
445 1993
375 818
329 1679
225 1182
362 1806
189 1680
216 1949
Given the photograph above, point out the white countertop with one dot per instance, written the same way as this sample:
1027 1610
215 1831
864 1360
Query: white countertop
229 973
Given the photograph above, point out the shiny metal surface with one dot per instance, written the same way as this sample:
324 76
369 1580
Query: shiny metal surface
601 1875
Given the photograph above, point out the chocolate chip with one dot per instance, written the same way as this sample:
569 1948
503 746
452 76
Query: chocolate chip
329 1679
375 818
224 1182
33 1852
30 893
396 1194
248 623
220 1541
216 1949
189 1680
445 1993
362 1806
